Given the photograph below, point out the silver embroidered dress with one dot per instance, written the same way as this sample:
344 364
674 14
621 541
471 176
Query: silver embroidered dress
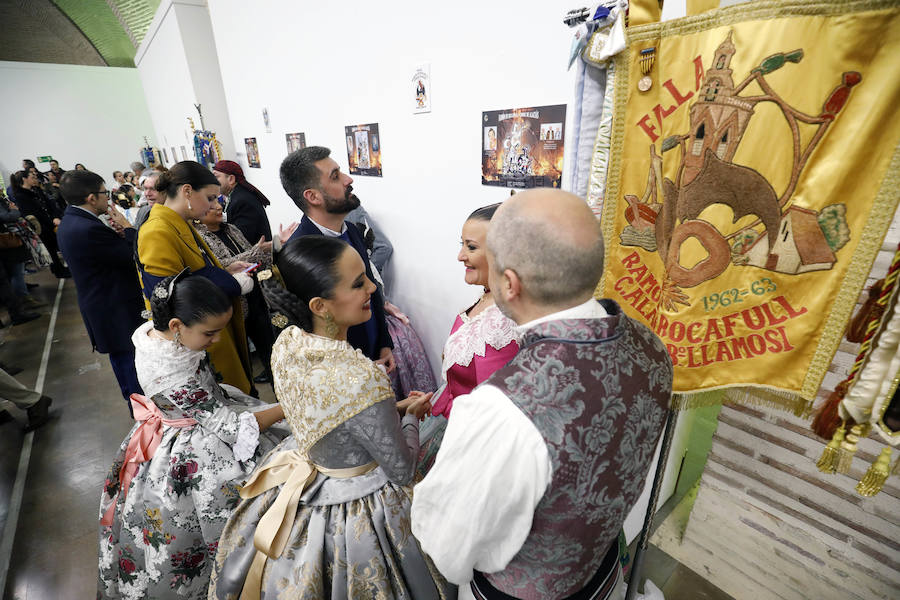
163 526
327 513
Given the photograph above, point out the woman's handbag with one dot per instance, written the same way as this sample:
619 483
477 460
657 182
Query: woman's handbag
9 241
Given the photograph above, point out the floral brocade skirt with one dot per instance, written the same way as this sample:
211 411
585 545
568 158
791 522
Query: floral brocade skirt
351 538
163 536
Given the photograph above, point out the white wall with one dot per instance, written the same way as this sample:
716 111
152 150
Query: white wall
93 115
318 67
178 68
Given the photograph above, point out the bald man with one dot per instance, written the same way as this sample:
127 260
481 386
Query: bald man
540 465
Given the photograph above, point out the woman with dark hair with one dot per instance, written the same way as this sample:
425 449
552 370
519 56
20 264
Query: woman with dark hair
229 244
28 196
328 512
80 167
177 474
481 340
167 243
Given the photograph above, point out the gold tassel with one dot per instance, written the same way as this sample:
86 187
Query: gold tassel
848 448
829 455
877 474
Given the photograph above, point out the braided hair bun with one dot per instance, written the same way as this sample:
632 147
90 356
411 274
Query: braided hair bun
308 266
189 299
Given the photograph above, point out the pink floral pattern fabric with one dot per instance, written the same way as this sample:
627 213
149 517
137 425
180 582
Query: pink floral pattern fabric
165 531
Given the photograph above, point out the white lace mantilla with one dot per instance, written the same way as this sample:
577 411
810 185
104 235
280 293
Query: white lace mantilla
161 364
488 328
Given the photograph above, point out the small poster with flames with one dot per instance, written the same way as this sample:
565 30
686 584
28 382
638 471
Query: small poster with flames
523 147
363 149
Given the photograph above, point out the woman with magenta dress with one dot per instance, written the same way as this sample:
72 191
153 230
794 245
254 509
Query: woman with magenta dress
481 341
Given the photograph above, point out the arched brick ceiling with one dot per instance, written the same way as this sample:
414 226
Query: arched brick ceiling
83 32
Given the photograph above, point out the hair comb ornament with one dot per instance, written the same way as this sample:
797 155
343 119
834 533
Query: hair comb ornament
164 293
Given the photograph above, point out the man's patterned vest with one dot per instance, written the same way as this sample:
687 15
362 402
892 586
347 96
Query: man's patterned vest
597 390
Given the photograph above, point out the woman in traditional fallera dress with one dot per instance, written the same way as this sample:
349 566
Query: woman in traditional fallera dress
327 514
175 479
481 341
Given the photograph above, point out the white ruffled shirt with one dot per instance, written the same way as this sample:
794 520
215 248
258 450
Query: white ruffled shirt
475 507
161 365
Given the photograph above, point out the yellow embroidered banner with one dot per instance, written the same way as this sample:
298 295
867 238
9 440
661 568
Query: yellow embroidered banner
752 178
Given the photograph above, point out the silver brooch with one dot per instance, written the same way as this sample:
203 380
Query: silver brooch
161 292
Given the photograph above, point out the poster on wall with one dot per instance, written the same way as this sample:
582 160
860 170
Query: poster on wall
266 122
295 141
165 157
421 81
523 147
363 149
252 152
184 154
174 155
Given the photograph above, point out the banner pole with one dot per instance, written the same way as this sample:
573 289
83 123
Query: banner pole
637 565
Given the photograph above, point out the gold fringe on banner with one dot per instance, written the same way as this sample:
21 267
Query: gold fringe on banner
697 399
770 398
743 396
829 456
877 474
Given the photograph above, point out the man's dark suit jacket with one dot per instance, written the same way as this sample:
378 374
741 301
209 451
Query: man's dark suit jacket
102 265
247 213
357 335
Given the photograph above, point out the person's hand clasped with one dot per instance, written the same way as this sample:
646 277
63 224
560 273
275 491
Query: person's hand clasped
386 359
418 404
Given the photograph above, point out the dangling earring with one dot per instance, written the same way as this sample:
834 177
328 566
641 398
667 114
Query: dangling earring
178 339
331 328
188 198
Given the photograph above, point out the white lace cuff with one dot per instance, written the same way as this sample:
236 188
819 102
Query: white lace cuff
247 437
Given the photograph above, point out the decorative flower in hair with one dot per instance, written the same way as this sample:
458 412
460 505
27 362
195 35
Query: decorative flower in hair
279 320
164 292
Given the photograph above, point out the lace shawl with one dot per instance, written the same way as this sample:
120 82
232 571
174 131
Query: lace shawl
162 364
488 328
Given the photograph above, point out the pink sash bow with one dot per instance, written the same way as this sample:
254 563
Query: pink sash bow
143 444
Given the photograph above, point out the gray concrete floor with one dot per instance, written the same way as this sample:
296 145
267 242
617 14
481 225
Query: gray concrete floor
55 551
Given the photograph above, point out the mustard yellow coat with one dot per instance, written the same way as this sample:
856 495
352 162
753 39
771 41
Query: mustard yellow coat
166 245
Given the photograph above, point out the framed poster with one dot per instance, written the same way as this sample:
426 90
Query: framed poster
421 81
252 152
523 147
363 149
174 155
165 157
295 141
184 154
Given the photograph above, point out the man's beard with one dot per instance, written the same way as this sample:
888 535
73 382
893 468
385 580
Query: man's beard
341 206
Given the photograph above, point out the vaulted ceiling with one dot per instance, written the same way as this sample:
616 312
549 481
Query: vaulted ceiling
80 32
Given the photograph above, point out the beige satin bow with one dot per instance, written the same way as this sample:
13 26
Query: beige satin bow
294 471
